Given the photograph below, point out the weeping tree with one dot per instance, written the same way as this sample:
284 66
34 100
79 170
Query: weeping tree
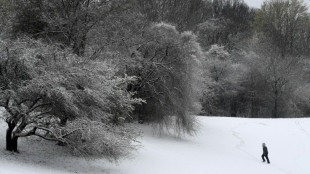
53 94
167 67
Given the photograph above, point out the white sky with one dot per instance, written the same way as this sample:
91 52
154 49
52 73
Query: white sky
258 3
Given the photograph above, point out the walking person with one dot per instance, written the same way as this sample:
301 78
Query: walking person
265 153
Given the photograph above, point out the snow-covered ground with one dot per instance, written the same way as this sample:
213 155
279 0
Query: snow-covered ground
223 146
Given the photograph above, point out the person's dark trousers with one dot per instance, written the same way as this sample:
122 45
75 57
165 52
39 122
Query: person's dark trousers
265 156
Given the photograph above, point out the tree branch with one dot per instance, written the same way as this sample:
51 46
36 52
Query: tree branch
23 101
40 105
48 138
69 133
56 138
35 102
26 134
42 113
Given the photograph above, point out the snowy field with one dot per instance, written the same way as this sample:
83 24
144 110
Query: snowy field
223 146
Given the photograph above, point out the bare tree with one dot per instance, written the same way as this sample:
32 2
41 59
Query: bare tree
280 73
65 21
283 21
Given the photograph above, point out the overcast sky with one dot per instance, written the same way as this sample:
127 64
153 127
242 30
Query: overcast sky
258 3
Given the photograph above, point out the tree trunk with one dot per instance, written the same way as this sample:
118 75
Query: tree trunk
252 109
14 144
233 107
275 107
275 113
11 140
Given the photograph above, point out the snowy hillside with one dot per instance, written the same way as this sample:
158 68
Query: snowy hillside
223 146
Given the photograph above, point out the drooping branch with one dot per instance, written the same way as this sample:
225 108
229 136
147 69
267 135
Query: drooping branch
48 138
61 136
45 129
26 134
35 102
69 133
35 107
23 101
42 114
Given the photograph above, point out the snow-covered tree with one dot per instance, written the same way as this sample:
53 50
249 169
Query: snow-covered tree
51 93
223 77
286 23
67 22
279 76
168 68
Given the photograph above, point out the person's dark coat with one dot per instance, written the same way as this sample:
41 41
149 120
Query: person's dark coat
265 150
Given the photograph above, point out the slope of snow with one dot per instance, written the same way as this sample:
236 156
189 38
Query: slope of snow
223 146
